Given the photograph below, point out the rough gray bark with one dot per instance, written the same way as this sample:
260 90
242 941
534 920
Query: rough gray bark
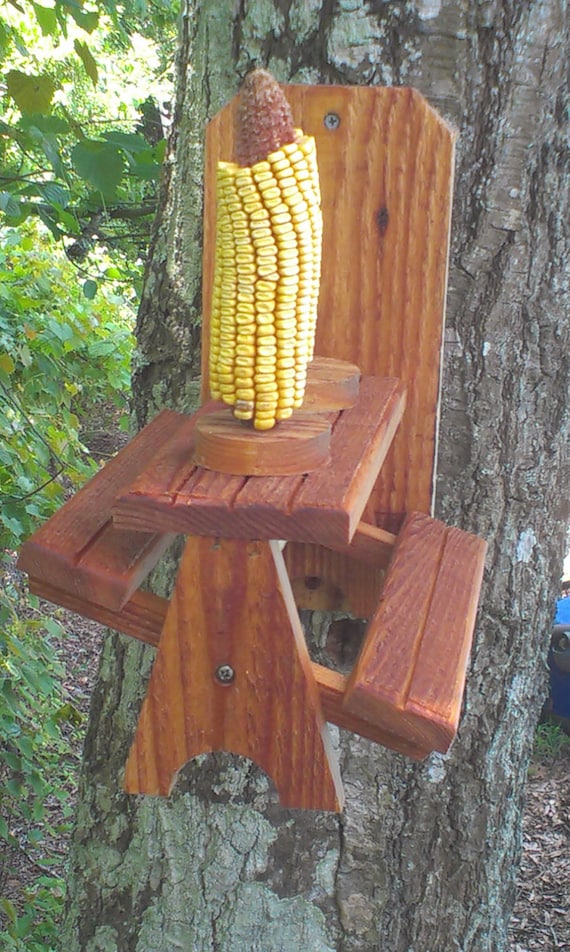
424 857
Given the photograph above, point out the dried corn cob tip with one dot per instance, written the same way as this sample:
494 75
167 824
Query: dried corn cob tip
264 119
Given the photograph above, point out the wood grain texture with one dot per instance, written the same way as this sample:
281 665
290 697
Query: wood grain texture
232 606
332 686
386 178
143 618
324 506
325 580
80 550
410 674
296 446
331 385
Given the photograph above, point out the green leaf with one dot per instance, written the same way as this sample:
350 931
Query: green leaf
53 627
13 761
69 713
90 289
86 57
86 20
9 909
54 124
50 146
68 220
47 19
129 141
7 364
56 194
30 93
99 164
9 205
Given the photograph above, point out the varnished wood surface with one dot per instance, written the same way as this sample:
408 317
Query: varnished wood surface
143 618
325 580
79 549
325 506
331 385
411 670
232 605
293 447
386 176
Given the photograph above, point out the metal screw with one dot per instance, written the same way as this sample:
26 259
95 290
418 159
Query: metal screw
225 674
332 121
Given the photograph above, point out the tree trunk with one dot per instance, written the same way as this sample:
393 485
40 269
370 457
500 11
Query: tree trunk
425 855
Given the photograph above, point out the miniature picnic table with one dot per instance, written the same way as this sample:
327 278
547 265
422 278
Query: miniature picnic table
232 670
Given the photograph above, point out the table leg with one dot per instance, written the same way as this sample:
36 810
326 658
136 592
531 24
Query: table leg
233 673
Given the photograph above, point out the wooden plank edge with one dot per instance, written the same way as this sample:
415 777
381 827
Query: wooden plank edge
448 716
90 580
388 425
369 544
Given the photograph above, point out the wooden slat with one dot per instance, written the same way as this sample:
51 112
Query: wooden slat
362 436
445 647
410 674
143 618
78 548
269 713
386 176
324 506
332 686
325 580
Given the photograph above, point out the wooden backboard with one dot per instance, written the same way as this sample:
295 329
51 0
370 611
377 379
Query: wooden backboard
386 169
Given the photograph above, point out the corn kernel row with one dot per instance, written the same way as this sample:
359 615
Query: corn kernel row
266 282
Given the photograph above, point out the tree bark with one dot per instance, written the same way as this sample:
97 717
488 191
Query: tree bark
425 855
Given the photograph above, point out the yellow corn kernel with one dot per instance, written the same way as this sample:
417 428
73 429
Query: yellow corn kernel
279 164
264 423
243 413
266 389
245 394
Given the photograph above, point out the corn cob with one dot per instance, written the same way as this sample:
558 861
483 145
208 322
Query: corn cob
267 263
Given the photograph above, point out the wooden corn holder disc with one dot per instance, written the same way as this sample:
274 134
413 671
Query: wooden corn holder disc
298 445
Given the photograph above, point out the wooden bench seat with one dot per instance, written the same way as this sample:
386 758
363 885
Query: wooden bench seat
79 551
410 674
406 687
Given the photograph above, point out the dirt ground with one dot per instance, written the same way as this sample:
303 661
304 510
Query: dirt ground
541 918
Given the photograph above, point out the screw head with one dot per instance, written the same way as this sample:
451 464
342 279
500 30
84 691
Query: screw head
225 674
331 121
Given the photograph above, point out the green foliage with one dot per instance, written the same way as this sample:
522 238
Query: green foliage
75 146
80 153
549 742
64 351
37 771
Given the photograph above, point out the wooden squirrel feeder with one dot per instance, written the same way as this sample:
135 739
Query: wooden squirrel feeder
352 502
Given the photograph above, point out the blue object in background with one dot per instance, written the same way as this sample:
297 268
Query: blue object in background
559 661
563 611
